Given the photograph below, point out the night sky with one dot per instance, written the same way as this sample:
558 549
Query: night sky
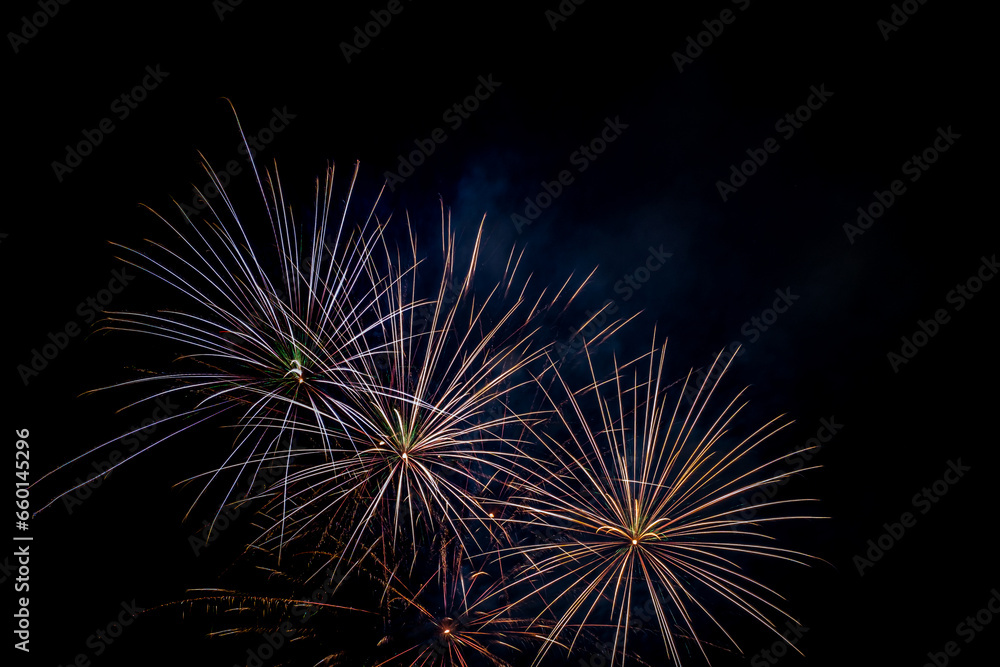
720 162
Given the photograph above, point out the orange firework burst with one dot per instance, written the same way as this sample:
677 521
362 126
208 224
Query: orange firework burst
432 427
638 503
459 615
268 343
401 446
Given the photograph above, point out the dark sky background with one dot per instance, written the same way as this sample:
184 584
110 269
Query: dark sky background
655 185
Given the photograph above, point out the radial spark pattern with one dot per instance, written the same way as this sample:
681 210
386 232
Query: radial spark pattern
637 507
390 406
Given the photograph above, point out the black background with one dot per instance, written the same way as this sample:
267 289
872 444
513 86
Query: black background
655 185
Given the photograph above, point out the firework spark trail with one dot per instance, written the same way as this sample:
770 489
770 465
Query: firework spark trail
643 497
272 360
456 616
427 436
394 422
447 613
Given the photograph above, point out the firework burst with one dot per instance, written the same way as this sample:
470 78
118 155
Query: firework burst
269 343
459 615
638 503
434 427
395 422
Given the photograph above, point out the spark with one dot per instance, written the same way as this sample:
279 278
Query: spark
634 471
